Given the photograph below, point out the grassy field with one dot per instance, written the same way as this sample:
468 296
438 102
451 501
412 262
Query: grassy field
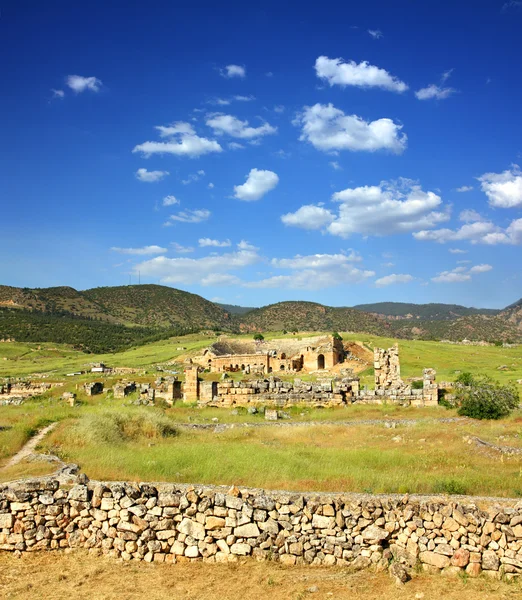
448 359
82 576
425 457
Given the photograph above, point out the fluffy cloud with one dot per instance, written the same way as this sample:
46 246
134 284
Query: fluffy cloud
335 165
58 93
376 33
504 190
258 184
457 251
187 271
364 75
315 272
150 176
470 216
234 127
460 274
389 208
204 242
233 71
434 91
79 84
386 209
393 278
244 245
464 188
328 129
170 201
479 232
182 140
190 216
309 216
146 250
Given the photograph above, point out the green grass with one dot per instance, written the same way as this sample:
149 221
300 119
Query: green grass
423 458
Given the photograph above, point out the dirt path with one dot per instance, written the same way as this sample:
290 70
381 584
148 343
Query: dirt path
30 446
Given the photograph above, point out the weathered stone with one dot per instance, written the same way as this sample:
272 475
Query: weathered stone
490 561
192 528
435 560
460 558
374 533
6 521
320 522
247 531
212 523
240 549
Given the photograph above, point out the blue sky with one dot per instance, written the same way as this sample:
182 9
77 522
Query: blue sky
342 153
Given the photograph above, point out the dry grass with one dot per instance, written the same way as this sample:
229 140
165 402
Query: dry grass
57 576
26 470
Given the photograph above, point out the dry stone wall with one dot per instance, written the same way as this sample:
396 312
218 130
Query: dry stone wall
172 523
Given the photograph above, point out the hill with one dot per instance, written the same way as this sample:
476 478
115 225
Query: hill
311 316
157 306
234 309
513 314
432 311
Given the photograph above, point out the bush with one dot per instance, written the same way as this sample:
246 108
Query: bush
449 486
336 336
417 384
115 427
465 378
486 399
258 337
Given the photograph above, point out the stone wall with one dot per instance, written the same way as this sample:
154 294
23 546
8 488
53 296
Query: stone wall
172 523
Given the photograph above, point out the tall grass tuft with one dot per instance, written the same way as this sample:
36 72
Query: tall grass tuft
117 427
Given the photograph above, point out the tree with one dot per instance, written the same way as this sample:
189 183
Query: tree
485 398
465 378
258 337
336 336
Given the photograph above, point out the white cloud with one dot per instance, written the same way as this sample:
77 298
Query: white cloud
234 127
150 176
470 216
220 279
79 84
480 269
204 242
364 75
336 166
434 91
244 98
504 190
309 216
170 201
141 251
244 245
328 129
464 188
181 249
233 71
479 232
258 184
316 261
388 265
193 177
269 74
57 93
235 146
196 270
182 141
393 279
389 208
210 186
451 277
190 216
457 251
461 274
279 108
375 33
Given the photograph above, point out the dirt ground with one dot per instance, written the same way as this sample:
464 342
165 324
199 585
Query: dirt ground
78 575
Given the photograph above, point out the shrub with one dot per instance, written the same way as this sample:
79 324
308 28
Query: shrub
465 378
258 337
336 336
449 486
417 384
486 399
115 427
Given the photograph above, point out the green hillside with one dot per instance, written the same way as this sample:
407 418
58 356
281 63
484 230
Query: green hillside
310 316
157 306
432 311
234 309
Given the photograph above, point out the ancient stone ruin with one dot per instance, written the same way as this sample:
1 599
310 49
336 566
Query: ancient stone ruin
389 388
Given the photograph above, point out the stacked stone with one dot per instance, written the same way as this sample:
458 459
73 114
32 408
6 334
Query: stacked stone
191 385
93 388
124 388
387 368
173 523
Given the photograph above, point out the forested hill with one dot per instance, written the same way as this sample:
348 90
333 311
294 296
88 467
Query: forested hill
310 316
431 312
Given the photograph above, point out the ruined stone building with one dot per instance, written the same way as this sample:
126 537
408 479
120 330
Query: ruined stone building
309 354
